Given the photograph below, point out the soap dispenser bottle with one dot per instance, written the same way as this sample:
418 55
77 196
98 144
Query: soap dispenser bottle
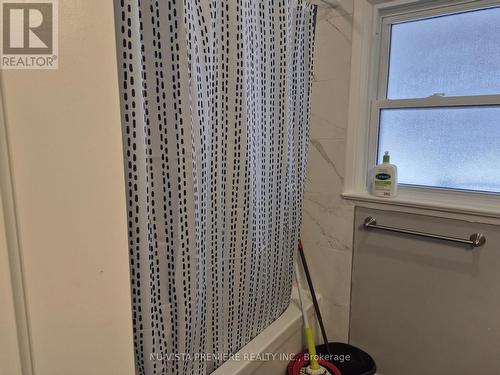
385 178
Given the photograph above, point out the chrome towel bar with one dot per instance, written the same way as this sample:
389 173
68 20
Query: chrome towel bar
475 239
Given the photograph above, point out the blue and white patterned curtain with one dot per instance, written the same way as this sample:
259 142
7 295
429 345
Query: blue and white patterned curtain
215 111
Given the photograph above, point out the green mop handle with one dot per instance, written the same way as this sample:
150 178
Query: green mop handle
307 328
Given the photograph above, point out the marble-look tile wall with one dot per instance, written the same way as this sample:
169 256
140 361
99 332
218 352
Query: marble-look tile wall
328 219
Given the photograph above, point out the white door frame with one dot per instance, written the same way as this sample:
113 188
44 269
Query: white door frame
20 312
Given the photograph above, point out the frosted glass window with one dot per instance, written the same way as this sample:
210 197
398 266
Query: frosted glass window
457 54
451 147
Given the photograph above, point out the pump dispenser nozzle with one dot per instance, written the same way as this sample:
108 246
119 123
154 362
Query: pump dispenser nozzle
387 157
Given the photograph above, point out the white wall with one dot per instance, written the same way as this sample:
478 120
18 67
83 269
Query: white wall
328 219
66 157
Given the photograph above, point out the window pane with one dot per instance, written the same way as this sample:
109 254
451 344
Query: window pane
454 147
458 55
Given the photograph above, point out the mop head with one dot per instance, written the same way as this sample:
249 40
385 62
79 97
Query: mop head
299 365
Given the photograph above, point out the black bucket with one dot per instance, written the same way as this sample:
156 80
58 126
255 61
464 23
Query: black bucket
348 359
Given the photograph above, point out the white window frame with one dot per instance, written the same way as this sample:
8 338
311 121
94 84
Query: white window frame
367 97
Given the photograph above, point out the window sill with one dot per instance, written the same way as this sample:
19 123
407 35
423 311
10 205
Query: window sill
468 203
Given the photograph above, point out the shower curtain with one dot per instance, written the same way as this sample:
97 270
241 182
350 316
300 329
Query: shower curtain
215 111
